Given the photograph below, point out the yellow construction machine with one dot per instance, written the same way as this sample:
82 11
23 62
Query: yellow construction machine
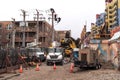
69 43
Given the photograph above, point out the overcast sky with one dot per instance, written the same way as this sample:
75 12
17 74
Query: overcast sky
74 13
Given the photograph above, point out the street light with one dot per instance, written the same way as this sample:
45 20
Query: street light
54 18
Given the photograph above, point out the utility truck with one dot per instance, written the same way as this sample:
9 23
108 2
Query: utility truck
55 54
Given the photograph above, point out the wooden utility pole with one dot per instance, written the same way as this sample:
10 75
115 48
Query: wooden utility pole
24 25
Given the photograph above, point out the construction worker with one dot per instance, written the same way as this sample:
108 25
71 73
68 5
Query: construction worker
75 53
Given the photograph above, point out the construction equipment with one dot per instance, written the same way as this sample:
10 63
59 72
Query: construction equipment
69 43
88 58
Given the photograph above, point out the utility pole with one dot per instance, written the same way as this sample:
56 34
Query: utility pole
52 11
24 25
37 27
13 33
54 18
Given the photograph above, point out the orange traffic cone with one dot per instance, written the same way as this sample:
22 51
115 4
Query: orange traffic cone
71 67
54 67
21 69
37 67
40 62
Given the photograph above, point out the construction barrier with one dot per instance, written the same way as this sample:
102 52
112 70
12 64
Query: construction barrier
54 66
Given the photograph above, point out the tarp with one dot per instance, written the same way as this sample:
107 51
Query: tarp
115 36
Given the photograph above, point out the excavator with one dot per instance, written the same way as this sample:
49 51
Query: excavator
69 44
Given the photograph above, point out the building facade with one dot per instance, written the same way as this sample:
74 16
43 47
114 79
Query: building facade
98 28
102 26
5 33
112 13
110 19
30 30
100 19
